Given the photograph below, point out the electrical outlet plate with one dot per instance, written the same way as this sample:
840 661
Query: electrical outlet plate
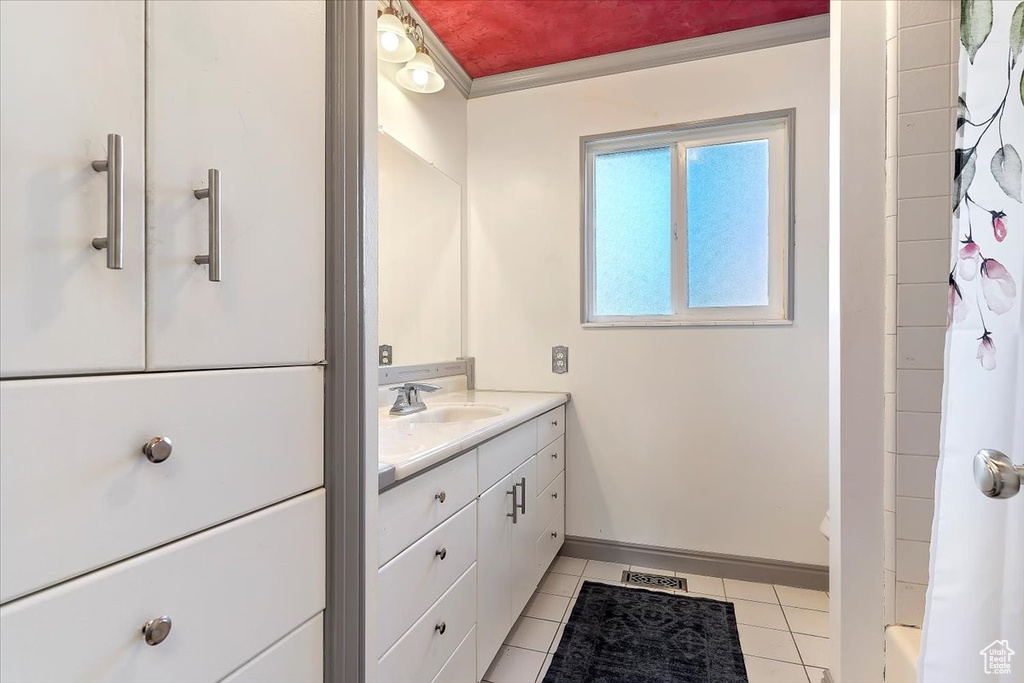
559 359
384 356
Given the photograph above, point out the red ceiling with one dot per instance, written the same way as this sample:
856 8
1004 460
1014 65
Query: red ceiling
495 36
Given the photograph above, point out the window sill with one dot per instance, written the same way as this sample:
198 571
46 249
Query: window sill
636 324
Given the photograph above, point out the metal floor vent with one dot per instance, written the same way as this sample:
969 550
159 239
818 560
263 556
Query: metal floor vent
653 580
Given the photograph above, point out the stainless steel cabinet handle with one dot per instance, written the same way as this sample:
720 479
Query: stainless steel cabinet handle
996 475
113 166
212 193
439 497
522 505
554 423
442 553
515 510
555 495
555 456
441 628
155 631
554 534
157 449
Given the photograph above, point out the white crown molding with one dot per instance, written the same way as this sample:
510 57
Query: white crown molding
447 64
719 44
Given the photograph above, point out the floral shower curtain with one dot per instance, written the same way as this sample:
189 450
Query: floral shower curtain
974 617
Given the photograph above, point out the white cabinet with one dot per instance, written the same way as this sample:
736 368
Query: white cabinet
221 95
296 658
230 593
525 576
238 87
71 73
494 568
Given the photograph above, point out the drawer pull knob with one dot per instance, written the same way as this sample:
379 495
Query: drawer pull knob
441 628
554 534
155 631
554 423
442 553
554 455
555 495
157 449
439 497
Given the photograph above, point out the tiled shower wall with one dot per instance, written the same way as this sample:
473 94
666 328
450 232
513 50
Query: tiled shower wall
923 51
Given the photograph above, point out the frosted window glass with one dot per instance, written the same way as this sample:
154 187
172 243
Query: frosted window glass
633 232
727 224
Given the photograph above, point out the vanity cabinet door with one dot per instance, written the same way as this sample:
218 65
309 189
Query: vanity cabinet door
237 87
524 536
494 571
71 74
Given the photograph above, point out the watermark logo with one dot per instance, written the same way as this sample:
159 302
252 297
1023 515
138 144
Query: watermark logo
997 657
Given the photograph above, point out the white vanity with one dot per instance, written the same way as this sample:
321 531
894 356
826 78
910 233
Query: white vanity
475 516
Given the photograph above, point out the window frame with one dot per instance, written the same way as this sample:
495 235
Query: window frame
776 126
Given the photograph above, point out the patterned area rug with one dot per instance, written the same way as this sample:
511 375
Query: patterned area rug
631 635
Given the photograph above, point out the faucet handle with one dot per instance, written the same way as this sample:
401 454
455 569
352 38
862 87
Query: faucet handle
419 386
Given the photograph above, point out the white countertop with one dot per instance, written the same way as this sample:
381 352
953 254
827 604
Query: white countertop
410 446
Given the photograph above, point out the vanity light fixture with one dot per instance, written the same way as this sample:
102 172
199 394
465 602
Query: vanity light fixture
400 39
393 42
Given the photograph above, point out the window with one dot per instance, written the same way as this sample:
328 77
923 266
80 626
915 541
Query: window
689 225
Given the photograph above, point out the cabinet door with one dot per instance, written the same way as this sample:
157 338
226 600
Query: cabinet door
70 74
237 87
494 572
524 536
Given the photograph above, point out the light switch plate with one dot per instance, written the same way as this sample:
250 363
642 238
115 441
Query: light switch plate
384 354
559 359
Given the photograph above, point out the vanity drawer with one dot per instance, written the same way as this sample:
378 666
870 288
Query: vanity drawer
550 426
424 649
77 493
550 461
551 540
551 501
230 593
409 584
410 509
461 666
501 455
296 658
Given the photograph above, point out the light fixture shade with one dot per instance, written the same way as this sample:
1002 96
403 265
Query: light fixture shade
420 74
393 44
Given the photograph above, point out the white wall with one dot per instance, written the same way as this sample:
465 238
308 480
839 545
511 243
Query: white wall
433 127
696 438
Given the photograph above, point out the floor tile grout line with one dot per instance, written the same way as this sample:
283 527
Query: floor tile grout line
792 637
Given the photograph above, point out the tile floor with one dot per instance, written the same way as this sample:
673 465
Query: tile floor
783 630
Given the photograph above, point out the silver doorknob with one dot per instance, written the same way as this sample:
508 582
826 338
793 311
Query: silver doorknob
157 449
996 475
155 631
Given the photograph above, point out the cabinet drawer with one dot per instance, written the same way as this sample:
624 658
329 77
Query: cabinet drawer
550 426
296 658
551 540
230 592
412 508
550 501
501 455
461 666
76 491
413 581
550 461
424 649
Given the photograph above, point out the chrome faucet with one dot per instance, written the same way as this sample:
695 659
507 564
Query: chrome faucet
408 400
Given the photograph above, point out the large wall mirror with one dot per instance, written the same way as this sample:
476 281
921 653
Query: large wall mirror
420 233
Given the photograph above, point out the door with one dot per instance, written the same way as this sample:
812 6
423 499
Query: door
71 73
525 575
236 87
494 571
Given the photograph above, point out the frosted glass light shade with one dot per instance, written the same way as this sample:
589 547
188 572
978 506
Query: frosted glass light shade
420 74
393 44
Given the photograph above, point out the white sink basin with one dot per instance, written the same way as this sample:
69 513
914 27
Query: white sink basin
445 414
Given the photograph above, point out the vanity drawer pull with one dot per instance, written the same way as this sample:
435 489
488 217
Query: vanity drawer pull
554 423
442 553
439 497
441 628
554 534
157 449
554 455
555 495
155 631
